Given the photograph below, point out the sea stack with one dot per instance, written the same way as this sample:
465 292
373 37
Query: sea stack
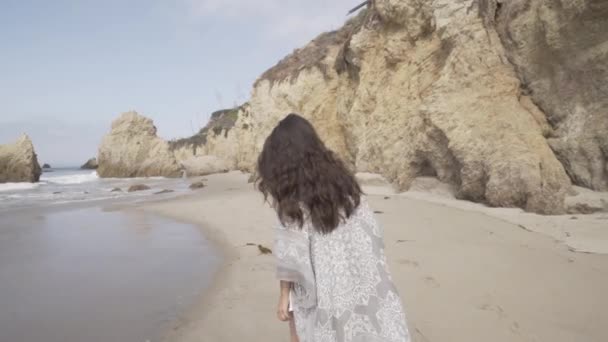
18 162
132 149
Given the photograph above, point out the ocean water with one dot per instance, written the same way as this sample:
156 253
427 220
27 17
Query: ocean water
72 185
72 270
90 275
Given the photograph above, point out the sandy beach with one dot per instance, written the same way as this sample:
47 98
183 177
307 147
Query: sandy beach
465 272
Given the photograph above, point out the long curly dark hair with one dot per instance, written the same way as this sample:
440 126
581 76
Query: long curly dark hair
298 172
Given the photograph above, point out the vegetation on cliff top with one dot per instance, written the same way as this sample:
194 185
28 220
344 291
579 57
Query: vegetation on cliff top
313 54
220 121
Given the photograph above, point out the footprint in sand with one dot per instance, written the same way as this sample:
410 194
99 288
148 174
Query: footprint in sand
514 326
408 262
493 307
431 281
420 336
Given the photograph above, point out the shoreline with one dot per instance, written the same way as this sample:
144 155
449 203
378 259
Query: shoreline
505 279
227 255
88 273
219 188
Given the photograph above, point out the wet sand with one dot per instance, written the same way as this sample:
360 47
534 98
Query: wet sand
91 275
464 274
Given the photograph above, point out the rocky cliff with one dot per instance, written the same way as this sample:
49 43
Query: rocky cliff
559 50
507 101
18 162
218 139
132 149
502 99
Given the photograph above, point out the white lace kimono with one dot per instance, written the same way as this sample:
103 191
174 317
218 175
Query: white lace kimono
343 291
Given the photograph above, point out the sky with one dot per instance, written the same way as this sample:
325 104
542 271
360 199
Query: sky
68 68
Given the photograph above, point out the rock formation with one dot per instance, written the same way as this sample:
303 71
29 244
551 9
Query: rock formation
132 149
91 164
204 165
559 51
18 162
46 166
197 185
506 101
216 139
138 187
501 99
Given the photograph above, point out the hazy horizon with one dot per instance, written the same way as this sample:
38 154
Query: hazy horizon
71 67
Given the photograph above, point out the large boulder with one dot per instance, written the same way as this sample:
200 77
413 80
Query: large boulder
91 164
132 149
204 165
18 162
197 185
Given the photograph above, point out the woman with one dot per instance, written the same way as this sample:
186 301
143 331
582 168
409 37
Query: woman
334 280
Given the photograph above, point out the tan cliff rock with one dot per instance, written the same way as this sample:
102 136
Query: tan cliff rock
418 88
18 162
228 138
204 165
132 149
503 100
559 49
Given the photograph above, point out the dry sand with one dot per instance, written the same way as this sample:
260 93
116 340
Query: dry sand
465 272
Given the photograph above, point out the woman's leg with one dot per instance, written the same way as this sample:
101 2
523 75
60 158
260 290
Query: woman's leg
292 328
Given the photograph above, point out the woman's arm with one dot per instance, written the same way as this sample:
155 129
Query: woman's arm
285 287
294 268
283 309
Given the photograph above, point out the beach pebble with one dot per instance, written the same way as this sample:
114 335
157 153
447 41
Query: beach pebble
138 187
197 185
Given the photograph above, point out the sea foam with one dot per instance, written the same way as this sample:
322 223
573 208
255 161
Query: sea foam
17 186
70 179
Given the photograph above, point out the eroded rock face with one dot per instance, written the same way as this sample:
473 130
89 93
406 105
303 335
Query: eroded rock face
132 149
414 88
18 162
220 123
560 52
204 165
227 137
472 92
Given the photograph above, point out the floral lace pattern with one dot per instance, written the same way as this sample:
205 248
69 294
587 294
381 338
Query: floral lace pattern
343 291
